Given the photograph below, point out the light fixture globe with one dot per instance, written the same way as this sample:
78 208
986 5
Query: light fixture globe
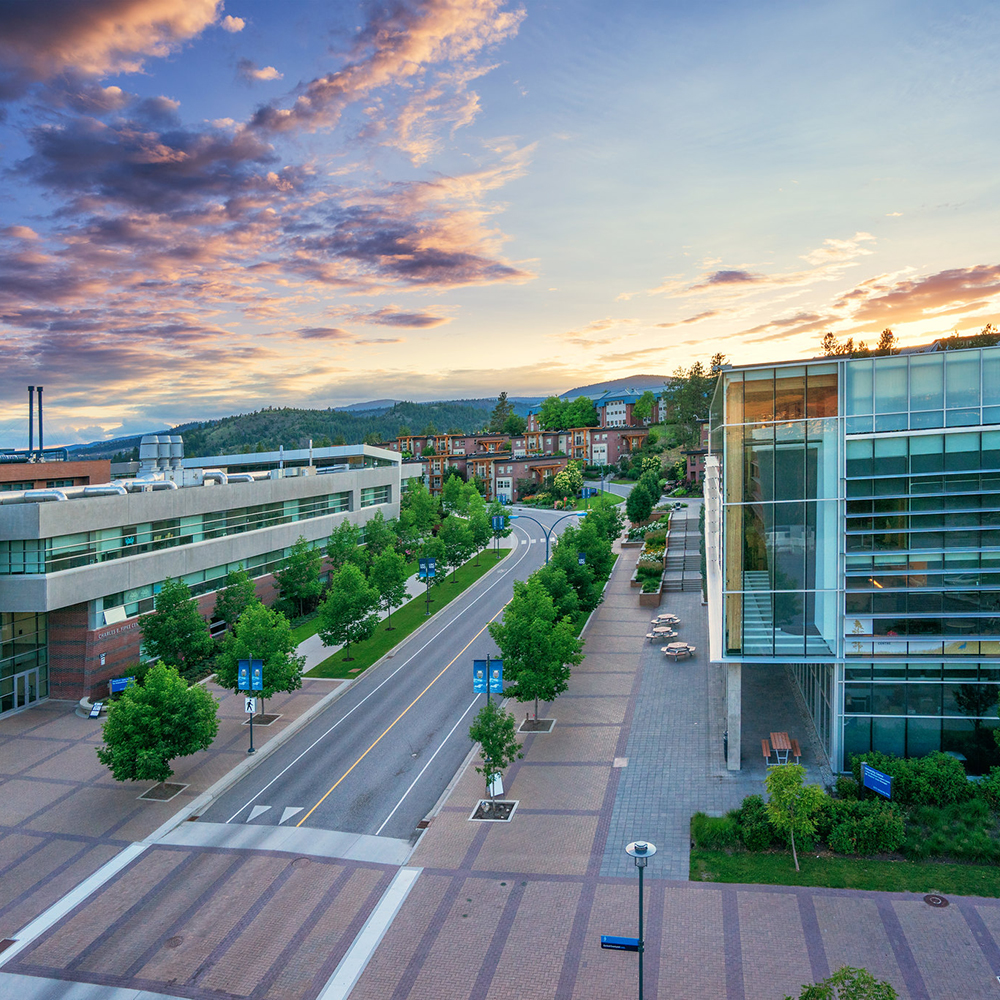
641 851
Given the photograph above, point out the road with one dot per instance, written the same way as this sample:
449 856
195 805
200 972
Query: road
378 758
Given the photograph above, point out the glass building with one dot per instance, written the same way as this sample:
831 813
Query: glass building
857 511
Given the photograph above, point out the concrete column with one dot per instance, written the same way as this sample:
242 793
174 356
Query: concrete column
734 698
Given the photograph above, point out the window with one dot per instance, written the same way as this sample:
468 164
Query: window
59 484
372 495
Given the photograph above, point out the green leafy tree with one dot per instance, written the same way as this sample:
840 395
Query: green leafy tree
639 504
343 546
568 482
792 806
538 648
262 633
607 516
418 509
503 410
379 535
479 526
554 579
237 595
452 493
388 577
689 394
494 510
581 413
470 496
552 414
495 730
458 544
848 984
175 631
642 408
148 726
350 611
298 578
514 425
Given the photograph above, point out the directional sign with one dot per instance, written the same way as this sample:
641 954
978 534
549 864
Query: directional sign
877 781
619 943
250 705
120 683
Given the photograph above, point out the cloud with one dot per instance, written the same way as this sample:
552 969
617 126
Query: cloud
390 316
322 333
248 71
733 278
232 24
41 41
697 318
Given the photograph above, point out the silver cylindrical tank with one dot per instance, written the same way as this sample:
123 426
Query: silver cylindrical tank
163 449
149 452
176 451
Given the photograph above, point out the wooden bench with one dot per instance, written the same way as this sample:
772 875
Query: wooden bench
796 750
765 749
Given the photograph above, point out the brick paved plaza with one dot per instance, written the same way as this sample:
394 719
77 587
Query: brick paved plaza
502 910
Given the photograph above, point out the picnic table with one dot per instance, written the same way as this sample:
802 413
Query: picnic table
677 650
666 620
782 746
664 632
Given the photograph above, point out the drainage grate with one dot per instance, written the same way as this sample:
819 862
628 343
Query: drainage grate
163 792
933 899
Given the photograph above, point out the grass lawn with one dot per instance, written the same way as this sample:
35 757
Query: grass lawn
405 620
845 873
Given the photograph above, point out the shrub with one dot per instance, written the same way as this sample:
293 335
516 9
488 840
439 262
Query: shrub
937 779
714 833
966 831
988 789
845 787
656 536
753 826
871 827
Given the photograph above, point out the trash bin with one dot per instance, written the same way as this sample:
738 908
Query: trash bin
725 745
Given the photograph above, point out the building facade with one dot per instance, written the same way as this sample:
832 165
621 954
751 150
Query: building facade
78 569
853 532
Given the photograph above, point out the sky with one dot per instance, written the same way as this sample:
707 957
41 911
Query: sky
210 207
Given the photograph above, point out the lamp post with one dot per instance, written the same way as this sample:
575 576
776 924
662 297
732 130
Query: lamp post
640 851
548 531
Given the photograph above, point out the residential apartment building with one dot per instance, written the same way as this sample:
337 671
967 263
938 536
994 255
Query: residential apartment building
853 534
79 565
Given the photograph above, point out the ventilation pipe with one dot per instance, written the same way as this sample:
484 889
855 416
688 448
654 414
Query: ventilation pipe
104 490
215 476
41 432
148 453
31 420
176 451
163 451
240 477
44 495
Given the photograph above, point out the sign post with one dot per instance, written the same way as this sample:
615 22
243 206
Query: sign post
250 677
426 573
487 676
877 781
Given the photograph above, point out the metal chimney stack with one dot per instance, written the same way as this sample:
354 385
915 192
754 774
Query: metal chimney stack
41 437
31 420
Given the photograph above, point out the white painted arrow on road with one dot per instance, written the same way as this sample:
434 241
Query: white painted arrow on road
257 811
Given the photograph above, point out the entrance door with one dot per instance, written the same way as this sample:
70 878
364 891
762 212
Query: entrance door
27 689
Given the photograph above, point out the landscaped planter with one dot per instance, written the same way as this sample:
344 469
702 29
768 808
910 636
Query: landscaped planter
651 600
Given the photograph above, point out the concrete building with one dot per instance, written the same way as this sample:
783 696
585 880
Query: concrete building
79 565
853 534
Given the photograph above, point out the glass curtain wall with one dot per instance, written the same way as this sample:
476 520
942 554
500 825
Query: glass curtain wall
781 521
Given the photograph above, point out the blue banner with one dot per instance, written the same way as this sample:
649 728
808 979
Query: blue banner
877 781
427 569
120 683
256 675
243 675
499 522
479 677
492 668
496 676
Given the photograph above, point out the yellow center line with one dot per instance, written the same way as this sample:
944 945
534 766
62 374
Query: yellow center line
398 717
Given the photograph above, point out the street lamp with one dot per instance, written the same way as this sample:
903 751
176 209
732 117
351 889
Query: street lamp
548 531
641 851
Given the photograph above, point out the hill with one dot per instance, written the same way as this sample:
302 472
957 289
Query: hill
641 382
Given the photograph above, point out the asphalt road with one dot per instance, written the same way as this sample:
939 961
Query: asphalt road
378 758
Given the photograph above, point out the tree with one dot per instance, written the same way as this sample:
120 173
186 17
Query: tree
388 576
887 343
791 805
495 510
514 425
642 408
451 493
298 578
148 726
418 509
174 631
849 984
639 504
495 730
479 525
458 544
581 413
689 394
537 647
552 414
568 482
237 595
343 546
433 548
349 613
607 515
379 535
564 596
503 410
261 633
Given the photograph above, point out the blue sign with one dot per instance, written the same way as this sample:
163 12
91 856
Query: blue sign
427 570
499 522
581 558
619 943
250 675
491 668
588 491
877 781
120 683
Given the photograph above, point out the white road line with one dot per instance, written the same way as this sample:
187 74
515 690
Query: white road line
353 963
428 764
61 907
434 638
